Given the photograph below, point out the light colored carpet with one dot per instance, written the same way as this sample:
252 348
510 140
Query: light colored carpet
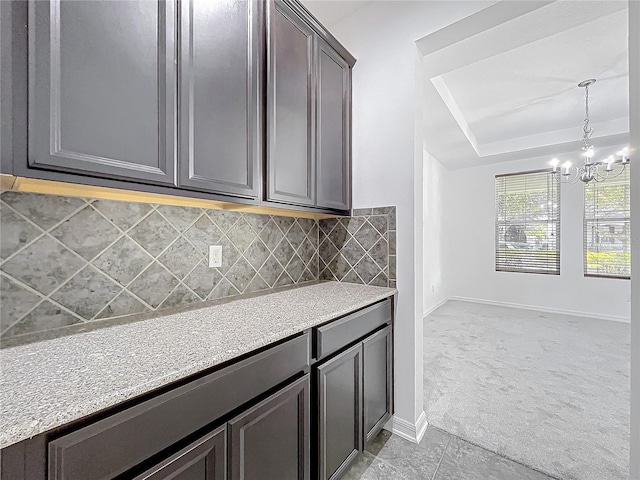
550 391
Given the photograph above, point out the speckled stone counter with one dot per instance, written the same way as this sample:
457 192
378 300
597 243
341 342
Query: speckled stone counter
48 384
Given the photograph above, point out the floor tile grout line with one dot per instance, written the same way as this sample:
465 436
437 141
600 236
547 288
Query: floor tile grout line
394 468
444 452
500 454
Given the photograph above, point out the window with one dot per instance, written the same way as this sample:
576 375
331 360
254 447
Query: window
528 223
607 227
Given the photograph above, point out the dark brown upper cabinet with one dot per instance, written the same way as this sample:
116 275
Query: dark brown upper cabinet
220 82
290 108
308 112
333 151
245 101
102 81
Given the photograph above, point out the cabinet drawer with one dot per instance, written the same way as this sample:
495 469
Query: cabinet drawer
115 444
335 335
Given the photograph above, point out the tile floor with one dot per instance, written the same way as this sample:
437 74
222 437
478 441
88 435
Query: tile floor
440 456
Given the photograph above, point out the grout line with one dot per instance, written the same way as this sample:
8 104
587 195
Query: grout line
444 451
190 289
43 298
498 454
219 226
3 332
48 231
95 317
84 260
189 225
26 245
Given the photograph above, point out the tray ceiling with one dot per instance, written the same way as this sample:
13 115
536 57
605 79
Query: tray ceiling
510 91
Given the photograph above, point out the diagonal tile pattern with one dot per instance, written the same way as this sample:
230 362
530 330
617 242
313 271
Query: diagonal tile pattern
359 249
67 260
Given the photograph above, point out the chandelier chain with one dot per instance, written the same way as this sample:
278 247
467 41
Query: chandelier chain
586 129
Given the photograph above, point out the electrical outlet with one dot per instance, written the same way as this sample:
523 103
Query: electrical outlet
215 256
433 288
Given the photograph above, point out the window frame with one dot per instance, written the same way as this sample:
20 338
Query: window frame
556 221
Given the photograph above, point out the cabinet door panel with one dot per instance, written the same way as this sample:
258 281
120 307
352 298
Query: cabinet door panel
6 89
271 440
101 86
219 93
340 412
290 108
333 150
202 460
377 358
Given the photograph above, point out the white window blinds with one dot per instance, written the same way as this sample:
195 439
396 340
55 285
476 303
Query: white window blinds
607 227
527 235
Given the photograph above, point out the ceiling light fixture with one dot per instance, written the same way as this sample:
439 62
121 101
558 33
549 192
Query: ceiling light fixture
590 169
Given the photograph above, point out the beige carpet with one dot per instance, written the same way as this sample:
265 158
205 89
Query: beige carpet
550 391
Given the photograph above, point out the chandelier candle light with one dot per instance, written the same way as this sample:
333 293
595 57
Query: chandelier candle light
590 169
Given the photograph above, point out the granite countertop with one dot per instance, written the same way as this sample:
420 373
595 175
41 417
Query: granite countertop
48 384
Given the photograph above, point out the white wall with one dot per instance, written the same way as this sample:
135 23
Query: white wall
387 153
634 124
435 252
470 235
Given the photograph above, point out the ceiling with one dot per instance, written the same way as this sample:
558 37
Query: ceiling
330 12
501 85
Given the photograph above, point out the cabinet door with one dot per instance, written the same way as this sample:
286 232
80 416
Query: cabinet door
101 88
202 460
339 412
377 379
333 165
220 96
271 440
6 87
290 108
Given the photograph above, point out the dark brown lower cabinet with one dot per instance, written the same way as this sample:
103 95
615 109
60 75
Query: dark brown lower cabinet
339 412
202 460
354 393
271 441
377 374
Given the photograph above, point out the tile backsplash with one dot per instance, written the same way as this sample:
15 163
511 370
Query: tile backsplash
66 260
360 248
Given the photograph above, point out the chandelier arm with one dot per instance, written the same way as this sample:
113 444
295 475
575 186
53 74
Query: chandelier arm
608 176
571 179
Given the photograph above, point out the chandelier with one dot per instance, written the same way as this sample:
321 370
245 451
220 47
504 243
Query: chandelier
597 170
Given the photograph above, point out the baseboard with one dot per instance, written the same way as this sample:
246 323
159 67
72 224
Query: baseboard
612 318
410 431
436 306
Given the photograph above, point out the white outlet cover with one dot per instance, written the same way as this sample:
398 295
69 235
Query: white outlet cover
215 256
